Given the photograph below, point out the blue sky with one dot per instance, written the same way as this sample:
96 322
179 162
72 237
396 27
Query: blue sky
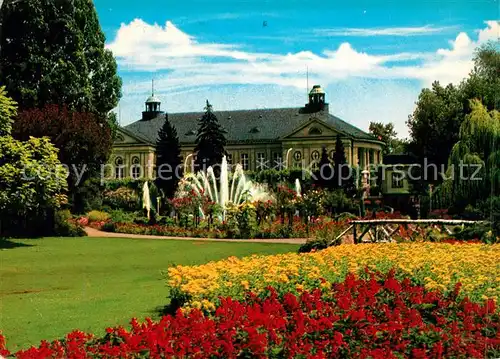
372 57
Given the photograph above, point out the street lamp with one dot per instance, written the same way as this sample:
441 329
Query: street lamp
286 158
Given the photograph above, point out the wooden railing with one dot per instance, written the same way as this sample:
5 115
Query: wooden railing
384 230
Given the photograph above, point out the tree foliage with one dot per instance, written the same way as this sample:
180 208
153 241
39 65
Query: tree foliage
32 180
435 124
52 52
8 110
385 133
168 159
83 143
323 176
210 140
474 165
342 174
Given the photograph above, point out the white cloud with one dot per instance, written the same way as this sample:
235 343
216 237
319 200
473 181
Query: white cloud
184 64
389 31
142 46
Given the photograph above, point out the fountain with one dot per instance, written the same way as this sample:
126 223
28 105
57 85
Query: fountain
298 188
146 199
240 191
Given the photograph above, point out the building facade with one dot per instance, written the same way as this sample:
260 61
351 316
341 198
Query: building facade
257 139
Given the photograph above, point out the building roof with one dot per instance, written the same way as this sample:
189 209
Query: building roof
316 90
153 99
258 125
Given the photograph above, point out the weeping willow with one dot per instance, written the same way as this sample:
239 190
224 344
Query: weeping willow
473 172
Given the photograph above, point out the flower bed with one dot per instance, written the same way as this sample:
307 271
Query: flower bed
365 318
434 265
275 229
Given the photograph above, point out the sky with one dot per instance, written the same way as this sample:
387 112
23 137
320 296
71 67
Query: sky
372 57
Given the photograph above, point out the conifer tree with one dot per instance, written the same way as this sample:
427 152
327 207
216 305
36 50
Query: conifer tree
342 177
168 160
210 141
324 173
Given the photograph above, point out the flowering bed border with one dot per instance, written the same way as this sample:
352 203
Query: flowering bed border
371 317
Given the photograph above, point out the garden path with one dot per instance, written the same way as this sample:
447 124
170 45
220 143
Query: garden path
92 232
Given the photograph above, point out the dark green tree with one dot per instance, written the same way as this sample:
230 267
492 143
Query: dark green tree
435 124
386 134
52 52
343 177
168 160
323 176
210 141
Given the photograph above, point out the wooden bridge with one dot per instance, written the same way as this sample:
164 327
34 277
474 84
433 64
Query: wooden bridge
384 230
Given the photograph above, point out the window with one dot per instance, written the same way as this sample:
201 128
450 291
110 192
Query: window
261 161
361 157
119 168
397 180
372 156
315 166
278 161
136 168
315 155
229 159
315 131
297 156
244 161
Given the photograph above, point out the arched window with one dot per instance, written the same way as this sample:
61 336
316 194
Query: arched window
119 168
136 168
315 131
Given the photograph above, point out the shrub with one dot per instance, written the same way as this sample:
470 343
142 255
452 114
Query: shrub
122 198
98 216
314 244
108 227
247 221
120 216
64 226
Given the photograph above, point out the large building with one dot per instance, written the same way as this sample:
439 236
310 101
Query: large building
257 139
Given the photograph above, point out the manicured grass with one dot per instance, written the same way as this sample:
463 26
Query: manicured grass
51 286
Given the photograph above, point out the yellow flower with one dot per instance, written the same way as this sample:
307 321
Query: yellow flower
245 284
439 264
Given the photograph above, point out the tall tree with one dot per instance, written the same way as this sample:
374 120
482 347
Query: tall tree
386 134
83 143
475 159
52 52
168 160
435 123
434 126
483 82
210 140
342 177
324 173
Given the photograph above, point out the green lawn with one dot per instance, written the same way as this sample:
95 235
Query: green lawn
51 286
